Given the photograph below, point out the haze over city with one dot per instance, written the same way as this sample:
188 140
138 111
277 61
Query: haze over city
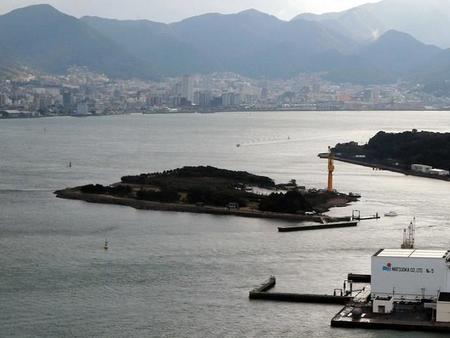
224 168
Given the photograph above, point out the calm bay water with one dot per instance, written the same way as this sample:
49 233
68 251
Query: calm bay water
188 275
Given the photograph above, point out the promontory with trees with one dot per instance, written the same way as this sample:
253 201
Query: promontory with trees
206 189
401 152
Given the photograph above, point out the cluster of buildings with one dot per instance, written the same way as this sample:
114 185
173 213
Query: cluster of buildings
82 93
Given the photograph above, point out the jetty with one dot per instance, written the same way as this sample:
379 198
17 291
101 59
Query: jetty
339 296
356 215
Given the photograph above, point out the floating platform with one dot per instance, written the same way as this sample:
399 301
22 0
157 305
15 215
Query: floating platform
363 318
330 225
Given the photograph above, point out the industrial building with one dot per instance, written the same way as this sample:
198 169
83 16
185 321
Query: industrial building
410 276
439 172
426 169
421 168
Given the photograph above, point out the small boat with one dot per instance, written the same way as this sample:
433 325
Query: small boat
238 145
391 214
106 245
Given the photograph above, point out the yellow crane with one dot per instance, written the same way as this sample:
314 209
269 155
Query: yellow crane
330 170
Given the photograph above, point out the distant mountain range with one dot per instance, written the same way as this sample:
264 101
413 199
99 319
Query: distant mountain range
249 43
426 20
362 45
42 38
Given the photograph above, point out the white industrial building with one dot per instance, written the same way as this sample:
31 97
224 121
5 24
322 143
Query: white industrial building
421 168
411 276
427 169
439 172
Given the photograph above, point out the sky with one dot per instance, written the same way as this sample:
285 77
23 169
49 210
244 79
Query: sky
175 10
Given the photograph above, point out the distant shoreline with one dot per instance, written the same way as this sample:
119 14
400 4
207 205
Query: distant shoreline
291 110
262 110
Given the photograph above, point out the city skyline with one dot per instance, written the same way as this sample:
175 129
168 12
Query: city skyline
176 10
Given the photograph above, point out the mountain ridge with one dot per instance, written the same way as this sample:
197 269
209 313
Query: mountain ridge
48 40
428 23
250 43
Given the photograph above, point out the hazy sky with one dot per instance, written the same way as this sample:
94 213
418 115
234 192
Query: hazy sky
174 10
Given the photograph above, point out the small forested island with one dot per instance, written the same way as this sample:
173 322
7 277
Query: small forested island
206 189
423 153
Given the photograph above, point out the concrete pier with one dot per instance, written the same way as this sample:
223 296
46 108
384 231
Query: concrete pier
266 286
300 298
319 226
261 293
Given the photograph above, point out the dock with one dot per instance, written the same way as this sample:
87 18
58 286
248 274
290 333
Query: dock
366 218
330 225
356 215
362 317
371 305
261 293
301 298
359 278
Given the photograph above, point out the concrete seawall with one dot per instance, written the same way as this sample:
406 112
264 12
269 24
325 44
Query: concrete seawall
389 168
149 205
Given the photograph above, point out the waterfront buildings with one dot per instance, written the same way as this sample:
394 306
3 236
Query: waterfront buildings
83 92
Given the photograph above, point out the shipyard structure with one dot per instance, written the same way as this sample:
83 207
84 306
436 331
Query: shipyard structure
401 276
410 290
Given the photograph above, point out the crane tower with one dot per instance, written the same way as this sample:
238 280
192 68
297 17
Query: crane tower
409 235
330 170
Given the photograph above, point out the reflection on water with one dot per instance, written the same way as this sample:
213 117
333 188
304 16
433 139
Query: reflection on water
187 275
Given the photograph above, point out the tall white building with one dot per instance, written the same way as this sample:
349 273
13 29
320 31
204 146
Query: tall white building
187 90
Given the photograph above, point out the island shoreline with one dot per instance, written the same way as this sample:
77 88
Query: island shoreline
179 207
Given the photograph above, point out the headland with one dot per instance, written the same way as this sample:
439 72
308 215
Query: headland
423 154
